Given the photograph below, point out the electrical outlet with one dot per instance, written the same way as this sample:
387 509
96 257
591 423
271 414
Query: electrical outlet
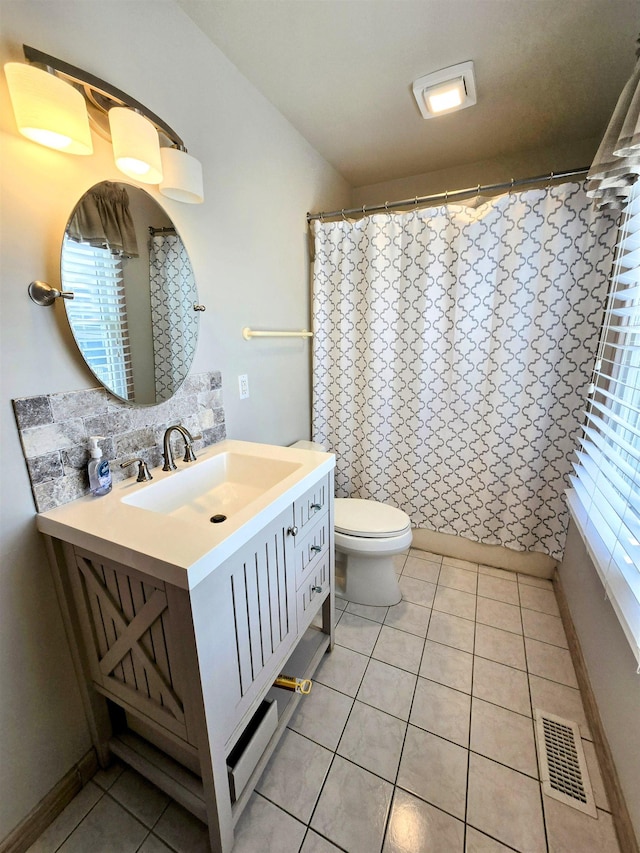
243 384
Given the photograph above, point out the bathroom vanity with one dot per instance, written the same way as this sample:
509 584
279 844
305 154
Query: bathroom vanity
184 599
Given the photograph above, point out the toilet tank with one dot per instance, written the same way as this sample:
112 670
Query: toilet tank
309 445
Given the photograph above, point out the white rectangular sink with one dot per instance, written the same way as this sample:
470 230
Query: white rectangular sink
220 486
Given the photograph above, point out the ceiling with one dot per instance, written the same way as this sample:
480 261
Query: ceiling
547 72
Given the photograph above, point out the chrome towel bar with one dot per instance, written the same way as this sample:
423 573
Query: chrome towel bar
248 333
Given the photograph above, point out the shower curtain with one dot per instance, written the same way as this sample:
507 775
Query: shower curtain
171 288
453 349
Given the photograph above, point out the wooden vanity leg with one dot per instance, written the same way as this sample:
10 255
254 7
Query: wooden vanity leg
95 706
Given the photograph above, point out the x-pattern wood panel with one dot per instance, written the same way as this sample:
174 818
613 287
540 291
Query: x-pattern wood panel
129 634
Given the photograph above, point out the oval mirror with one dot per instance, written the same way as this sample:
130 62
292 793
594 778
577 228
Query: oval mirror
134 315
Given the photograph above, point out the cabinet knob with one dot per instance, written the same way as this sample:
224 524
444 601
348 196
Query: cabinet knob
316 507
292 531
316 549
316 589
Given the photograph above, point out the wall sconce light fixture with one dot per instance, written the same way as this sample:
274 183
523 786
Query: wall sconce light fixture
55 104
445 91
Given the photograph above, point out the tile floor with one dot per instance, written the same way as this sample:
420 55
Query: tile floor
416 738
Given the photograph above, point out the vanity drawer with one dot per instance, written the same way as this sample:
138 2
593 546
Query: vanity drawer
313 592
311 504
311 549
252 743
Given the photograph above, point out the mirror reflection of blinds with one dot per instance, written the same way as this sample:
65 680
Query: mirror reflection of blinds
98 313
606 495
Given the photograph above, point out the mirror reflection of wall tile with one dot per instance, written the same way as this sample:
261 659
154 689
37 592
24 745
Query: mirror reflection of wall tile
54 431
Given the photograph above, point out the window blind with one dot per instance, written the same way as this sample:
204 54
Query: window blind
605 499
98 314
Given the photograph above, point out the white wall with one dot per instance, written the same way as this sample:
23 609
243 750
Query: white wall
610 663
247 245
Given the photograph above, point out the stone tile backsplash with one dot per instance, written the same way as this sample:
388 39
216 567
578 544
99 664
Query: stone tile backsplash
55 428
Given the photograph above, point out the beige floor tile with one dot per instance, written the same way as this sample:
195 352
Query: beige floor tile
373 740
501 685
498 614
559 700
322 715
356 633
409 617
423 570
550 662
504 736
455 602
314 843
535 598
447 665
460 564
353 808
388 688
140 797
478 842
531 580
263 826
541 626
417 591
498 589
154 845
597 783
461 579
417 827
69 818
425 555
399 648
500 646
342 670
506 805
570 830
182 831
367 611
451 631
398 562
434 770
108 826
498 573
294 775
442 711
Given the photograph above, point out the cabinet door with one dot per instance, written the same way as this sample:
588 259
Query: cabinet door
245 624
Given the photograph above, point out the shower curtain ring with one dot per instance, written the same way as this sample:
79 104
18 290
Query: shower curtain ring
511 187
386 206
343 216
363 210
415 201
550 179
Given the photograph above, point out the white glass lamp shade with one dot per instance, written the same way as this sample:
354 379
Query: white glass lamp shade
136 148
48 110
182 176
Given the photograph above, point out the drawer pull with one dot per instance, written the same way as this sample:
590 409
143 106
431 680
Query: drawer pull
316 549
292 531
316 589
316 507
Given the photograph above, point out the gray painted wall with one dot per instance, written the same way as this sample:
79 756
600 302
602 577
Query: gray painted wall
611 666
247 243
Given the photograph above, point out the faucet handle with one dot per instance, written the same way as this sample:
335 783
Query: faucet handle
189 455
143 470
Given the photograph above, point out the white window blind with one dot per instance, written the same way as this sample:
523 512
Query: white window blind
605 500
98 314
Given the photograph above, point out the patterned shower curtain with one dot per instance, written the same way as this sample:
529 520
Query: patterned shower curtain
171 288
452 354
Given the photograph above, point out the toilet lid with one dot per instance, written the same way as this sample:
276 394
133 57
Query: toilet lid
357 517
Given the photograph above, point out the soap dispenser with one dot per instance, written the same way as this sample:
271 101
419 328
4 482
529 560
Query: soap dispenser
99 470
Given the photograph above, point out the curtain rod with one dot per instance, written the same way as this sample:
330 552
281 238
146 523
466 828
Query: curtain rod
450 195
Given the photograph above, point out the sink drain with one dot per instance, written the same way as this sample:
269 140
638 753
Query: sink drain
216 519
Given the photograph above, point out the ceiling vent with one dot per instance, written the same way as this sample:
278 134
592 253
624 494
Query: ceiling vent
445 91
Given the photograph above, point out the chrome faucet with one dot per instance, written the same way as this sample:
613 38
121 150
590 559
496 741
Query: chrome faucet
189 455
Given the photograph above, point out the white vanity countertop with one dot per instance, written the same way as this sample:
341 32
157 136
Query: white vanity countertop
171 548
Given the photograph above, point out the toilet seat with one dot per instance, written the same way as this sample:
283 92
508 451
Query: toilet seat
369 519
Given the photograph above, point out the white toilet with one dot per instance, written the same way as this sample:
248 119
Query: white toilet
368 534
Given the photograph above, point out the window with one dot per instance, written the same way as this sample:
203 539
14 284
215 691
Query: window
98 314
605 501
